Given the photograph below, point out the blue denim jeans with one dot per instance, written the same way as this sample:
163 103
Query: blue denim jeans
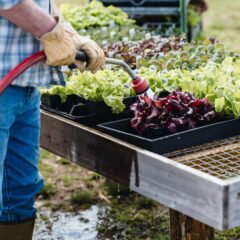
20 180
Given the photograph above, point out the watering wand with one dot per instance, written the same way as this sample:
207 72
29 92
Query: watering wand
140 85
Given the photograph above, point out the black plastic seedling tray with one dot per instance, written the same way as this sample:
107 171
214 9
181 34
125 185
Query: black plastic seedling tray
141 3
81 115
86 112
77 114
55 102
99 108
159 142
93 107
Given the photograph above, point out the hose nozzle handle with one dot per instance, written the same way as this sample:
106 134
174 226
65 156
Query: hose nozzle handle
81 56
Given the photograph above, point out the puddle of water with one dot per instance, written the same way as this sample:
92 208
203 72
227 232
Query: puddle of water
68 226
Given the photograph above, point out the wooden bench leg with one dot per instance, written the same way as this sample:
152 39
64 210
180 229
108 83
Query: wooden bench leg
185 228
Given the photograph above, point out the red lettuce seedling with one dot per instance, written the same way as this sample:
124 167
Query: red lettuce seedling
149 48
177 112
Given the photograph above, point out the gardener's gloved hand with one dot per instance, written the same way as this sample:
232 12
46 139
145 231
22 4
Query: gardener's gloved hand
58 46
94 52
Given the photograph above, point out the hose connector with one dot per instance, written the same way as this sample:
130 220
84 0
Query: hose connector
140 85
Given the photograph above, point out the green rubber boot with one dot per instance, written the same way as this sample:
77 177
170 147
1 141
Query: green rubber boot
17 231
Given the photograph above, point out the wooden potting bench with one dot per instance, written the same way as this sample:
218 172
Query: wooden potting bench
201 185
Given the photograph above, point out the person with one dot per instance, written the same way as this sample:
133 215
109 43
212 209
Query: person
26 27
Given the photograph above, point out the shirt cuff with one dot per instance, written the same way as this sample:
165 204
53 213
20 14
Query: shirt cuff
6 4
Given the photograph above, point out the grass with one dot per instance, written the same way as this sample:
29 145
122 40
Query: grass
134 218
222 22
83 197
67 180
64 161
48 190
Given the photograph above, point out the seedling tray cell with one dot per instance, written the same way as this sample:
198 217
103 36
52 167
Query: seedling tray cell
80 114
100 107
77 114
161 143
55 102
142 3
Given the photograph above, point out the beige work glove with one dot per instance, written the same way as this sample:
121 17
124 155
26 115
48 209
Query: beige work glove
58 46
94 52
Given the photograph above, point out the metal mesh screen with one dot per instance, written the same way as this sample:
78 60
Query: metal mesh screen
219 158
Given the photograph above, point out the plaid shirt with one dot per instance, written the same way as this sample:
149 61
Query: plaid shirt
16 45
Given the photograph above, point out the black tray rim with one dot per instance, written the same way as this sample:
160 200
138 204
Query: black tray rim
178 134
65 115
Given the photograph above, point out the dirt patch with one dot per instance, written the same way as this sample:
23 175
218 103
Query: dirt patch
67 186
71 192
72 189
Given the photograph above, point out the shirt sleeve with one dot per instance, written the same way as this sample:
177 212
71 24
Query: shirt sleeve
6 4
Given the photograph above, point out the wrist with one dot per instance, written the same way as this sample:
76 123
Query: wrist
48 26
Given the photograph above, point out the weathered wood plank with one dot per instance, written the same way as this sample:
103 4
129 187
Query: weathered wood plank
175 185
190 194
184 227
112 160
233 204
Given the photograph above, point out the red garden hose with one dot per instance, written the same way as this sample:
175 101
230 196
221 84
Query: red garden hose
20 68
140 85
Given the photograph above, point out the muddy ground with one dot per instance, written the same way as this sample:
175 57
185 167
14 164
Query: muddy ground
80 204
77 204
